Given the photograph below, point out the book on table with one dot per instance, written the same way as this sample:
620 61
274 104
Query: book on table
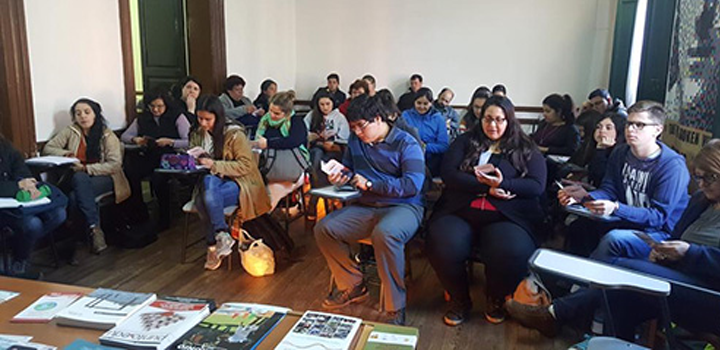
12 343
389 337
103 308
6 295
319 330
82 344
233 326
156 326
46 307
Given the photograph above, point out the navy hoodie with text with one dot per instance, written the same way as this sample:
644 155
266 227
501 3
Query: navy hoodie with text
652 193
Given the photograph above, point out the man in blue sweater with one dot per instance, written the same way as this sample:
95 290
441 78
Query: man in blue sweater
387 165
645 186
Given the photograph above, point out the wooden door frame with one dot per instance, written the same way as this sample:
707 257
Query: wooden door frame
17 115
209 16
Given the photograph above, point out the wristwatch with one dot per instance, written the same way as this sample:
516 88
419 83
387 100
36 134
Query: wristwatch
368 184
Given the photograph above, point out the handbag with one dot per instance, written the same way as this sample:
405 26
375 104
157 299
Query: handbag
256 257
177 162
282 165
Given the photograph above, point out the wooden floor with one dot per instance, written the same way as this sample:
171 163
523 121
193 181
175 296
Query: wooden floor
299 285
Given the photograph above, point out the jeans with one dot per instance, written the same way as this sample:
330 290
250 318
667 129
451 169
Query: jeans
504 247
624 243
83 190
214 196
690 308
33 224
584 235
389 228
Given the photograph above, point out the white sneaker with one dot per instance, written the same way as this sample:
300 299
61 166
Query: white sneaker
224 244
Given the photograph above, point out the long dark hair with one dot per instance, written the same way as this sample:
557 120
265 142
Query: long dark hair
514 143
92 140
212 104
317 116
562 105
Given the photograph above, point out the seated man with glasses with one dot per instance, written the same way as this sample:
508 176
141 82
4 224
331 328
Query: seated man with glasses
387 166
645 186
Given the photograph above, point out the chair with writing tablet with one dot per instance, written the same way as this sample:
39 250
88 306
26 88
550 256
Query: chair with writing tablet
593 274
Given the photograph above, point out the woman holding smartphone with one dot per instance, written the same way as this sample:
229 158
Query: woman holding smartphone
494 176
234 177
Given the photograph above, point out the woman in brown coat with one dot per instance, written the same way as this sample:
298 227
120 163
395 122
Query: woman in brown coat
100 168
234 177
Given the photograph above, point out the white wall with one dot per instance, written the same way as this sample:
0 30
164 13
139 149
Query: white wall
261 42
75 52
534 47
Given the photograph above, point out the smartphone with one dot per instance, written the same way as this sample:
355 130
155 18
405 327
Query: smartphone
646 238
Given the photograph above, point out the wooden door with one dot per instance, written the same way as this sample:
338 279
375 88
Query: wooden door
162 36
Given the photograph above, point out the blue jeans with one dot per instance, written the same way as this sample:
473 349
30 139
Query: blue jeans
624 243
31 224
84 188
214 196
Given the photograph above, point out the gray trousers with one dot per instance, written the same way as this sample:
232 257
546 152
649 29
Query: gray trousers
389 228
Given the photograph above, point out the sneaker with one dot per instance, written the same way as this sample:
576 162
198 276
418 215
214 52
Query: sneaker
341 298
224 244
456 316
536 317
495 311
396 317
212 260
98 239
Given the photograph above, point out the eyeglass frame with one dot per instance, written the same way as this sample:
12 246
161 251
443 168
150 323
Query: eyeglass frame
639 126
708 179
497 121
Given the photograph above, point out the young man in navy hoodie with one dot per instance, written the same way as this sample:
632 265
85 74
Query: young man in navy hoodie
645 186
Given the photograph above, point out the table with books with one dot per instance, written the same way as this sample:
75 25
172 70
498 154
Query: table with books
145 320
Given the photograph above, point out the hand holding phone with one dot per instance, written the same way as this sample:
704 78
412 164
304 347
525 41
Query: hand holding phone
646 238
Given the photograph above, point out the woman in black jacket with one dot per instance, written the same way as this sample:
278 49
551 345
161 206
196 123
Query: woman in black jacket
557 133
493 175
28 223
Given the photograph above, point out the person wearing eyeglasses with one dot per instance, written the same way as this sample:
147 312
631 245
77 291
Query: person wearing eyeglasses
387 166
689 256
601 101
494 176
645 186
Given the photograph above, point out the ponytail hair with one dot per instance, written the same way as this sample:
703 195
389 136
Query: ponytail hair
562 105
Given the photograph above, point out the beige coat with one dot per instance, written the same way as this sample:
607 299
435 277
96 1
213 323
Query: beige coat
239 164
111 155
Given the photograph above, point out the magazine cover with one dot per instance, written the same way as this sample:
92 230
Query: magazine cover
103 308
233 326
321 331
157 325
46 307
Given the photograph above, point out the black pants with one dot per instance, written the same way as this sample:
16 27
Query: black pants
137 166
317 177
505 248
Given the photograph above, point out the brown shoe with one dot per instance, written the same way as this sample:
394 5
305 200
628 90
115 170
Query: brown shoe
98 239
531 316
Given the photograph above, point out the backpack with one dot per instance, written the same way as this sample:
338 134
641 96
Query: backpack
531 291
124 232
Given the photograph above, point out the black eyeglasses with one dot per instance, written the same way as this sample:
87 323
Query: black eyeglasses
708 179
638 125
